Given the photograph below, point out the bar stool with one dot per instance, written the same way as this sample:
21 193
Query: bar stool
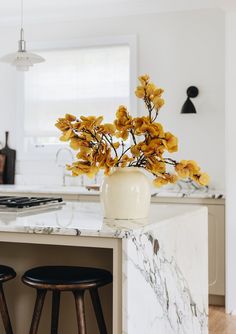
6 274
67 278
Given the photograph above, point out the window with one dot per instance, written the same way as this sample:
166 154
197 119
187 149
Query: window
79 81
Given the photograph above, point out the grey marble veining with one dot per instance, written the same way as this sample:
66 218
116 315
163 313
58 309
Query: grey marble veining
164 260
172 300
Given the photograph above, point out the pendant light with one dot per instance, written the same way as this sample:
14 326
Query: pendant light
22 59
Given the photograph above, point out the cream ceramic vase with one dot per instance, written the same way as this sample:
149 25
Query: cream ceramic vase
126 194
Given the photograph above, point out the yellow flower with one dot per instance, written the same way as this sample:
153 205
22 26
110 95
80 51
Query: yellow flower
164 179
150 89
125 160
152 146
144 79
82 167
140 124
158 102
182 170
122 112
123 122
193 167
170 142
160 181
204 179
156 166
102 154
140 92
75 143
143 125
63 124
158 92
90 122
109 162
86 154
155 130
172 178
135 150
67 135
107 128
123 134
70 117
116 145
189 168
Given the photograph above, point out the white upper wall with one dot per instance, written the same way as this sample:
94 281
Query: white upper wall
65 10
177 50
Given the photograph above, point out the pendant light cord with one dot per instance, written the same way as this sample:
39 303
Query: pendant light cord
22 5
22 45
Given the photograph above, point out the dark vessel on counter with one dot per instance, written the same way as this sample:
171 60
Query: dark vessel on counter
8 176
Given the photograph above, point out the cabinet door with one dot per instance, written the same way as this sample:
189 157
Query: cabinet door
216 255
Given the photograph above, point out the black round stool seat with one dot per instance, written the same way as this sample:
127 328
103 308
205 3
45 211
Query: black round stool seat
6 273
66 276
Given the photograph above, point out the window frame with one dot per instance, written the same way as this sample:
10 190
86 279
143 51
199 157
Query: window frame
46 153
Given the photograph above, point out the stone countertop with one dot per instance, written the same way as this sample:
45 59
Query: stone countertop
85 219
74 190
158 258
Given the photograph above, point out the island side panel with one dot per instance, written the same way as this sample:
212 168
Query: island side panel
165 277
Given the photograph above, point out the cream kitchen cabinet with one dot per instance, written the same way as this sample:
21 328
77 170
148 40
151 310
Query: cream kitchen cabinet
216 249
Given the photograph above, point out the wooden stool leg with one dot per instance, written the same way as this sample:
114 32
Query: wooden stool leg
55 311
4 312
98 310
37 311
80 312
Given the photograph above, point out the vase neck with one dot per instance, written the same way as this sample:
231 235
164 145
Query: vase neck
127 169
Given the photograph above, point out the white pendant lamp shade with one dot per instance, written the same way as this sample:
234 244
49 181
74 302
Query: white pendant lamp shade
22 59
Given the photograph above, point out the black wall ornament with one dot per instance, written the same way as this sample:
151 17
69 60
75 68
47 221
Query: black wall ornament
188 106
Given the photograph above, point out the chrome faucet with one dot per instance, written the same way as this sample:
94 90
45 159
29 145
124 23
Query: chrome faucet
64 174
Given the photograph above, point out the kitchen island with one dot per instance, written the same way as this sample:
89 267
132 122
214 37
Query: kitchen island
159 265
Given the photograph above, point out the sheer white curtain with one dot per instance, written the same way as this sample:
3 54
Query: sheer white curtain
83 81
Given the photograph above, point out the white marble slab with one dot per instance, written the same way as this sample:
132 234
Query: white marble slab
166 273
164 260
85 219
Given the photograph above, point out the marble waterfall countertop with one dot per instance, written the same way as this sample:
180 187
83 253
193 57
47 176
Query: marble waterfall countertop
79 190
85 219
163 280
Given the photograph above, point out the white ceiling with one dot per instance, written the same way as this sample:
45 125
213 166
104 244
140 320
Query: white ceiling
68 9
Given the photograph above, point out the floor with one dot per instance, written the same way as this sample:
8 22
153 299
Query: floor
221 323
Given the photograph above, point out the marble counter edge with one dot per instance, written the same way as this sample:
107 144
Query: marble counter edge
111 228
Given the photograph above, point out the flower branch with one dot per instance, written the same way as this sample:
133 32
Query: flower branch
101 146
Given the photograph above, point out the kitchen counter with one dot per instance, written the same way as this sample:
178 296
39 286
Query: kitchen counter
160 265
202 193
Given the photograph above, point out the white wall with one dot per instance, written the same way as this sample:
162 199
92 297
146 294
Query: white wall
177 50
230 163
